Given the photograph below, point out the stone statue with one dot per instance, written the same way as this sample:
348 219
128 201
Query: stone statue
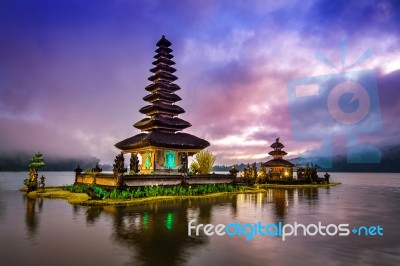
97 169
327 177
42 178
134 163
184 168
118 166
184 163
119 169
78 172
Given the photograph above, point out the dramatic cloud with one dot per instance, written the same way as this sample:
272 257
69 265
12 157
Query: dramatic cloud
72 73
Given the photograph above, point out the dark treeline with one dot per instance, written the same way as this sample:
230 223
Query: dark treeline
20 162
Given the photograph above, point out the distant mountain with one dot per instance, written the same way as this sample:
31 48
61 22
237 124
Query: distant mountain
240 167
390 163
20 162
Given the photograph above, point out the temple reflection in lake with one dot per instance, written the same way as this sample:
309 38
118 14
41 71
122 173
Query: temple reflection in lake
156 233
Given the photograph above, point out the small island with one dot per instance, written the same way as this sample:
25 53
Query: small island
87 196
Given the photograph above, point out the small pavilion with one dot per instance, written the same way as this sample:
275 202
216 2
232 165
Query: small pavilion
279 168
163 148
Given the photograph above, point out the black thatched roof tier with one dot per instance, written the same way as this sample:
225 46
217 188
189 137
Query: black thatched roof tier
159 96
277 145
274 153
163 68
161 122
162 60
163 54
170 87
163 140
162 108
163 42
162 76
163 50
278 163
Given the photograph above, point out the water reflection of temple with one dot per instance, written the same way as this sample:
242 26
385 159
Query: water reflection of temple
280 200
310 194
283 199
157 231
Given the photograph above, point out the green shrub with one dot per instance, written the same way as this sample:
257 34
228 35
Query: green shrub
88 171
151 191
204 162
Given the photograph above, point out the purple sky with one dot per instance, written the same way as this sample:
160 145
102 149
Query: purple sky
73 73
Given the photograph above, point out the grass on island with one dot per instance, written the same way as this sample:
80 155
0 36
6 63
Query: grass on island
60 193
79 194
152 191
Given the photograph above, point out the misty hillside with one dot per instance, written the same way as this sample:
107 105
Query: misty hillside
390 163
20 162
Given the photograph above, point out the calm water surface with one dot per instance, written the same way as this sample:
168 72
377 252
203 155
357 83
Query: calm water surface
53 232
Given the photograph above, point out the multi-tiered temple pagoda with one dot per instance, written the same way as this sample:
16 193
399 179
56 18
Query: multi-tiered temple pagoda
278 167
161 146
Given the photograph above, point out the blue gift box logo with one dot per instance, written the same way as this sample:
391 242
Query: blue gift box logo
340 104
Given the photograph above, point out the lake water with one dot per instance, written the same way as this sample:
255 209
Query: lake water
53 232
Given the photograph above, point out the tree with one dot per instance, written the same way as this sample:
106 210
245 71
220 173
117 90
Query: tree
254 171
262 176
205 161
37 161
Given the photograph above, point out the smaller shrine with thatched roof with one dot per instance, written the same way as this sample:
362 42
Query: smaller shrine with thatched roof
279 168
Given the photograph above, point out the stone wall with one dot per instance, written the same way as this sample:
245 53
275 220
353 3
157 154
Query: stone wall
99 179
152 180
